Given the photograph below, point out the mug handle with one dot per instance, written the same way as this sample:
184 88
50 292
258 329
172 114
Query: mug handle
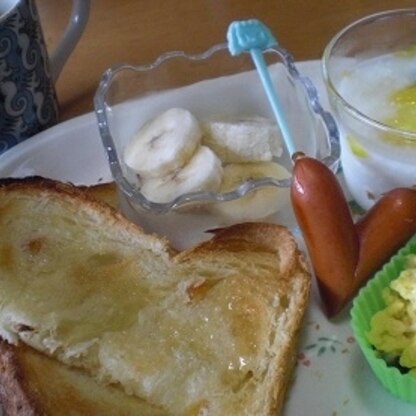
74 29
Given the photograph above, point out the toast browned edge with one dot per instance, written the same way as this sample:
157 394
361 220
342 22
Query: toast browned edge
106 192
17 396
15 391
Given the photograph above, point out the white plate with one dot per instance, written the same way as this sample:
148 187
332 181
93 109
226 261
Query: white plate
331 377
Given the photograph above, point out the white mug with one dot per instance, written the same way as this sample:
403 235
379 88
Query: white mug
28 101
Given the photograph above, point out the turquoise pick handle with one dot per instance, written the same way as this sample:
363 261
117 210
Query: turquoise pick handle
253 36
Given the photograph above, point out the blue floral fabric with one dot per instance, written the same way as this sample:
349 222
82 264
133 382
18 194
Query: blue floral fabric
27 97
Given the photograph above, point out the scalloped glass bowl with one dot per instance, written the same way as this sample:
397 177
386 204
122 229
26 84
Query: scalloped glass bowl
212 84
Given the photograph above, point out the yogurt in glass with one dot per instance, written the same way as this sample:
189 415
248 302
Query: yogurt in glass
370 71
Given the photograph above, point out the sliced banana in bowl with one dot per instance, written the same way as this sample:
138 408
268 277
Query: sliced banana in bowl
243 139
175 155
163 144
257 203
203 172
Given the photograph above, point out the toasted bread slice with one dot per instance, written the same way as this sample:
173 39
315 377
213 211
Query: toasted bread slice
211 330
33 384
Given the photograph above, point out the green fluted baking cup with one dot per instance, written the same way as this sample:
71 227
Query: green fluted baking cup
369 301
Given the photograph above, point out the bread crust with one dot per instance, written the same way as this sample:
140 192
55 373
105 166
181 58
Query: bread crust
86 195
15 394
106 192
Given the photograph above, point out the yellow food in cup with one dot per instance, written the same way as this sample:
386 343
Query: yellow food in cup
393 329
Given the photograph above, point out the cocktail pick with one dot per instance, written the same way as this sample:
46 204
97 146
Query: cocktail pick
253 36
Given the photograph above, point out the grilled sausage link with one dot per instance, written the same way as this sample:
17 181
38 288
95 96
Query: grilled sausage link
324 218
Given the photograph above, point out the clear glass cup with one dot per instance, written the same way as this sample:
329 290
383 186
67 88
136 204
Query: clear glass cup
369 69
212 84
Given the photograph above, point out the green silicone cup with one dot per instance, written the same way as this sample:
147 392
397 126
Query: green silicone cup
365 305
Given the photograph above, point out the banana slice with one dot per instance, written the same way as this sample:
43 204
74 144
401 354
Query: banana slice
163 144
250 139
202 173
258 203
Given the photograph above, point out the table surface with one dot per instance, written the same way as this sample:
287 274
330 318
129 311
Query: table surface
137 31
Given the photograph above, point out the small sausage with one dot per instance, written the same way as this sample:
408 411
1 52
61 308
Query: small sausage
324 218
386 227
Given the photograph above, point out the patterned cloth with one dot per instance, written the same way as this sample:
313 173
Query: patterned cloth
27 97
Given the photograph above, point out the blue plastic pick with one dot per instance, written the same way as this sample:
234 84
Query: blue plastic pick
253 36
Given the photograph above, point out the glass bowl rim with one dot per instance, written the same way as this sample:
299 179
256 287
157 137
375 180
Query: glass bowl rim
350 109
100 109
